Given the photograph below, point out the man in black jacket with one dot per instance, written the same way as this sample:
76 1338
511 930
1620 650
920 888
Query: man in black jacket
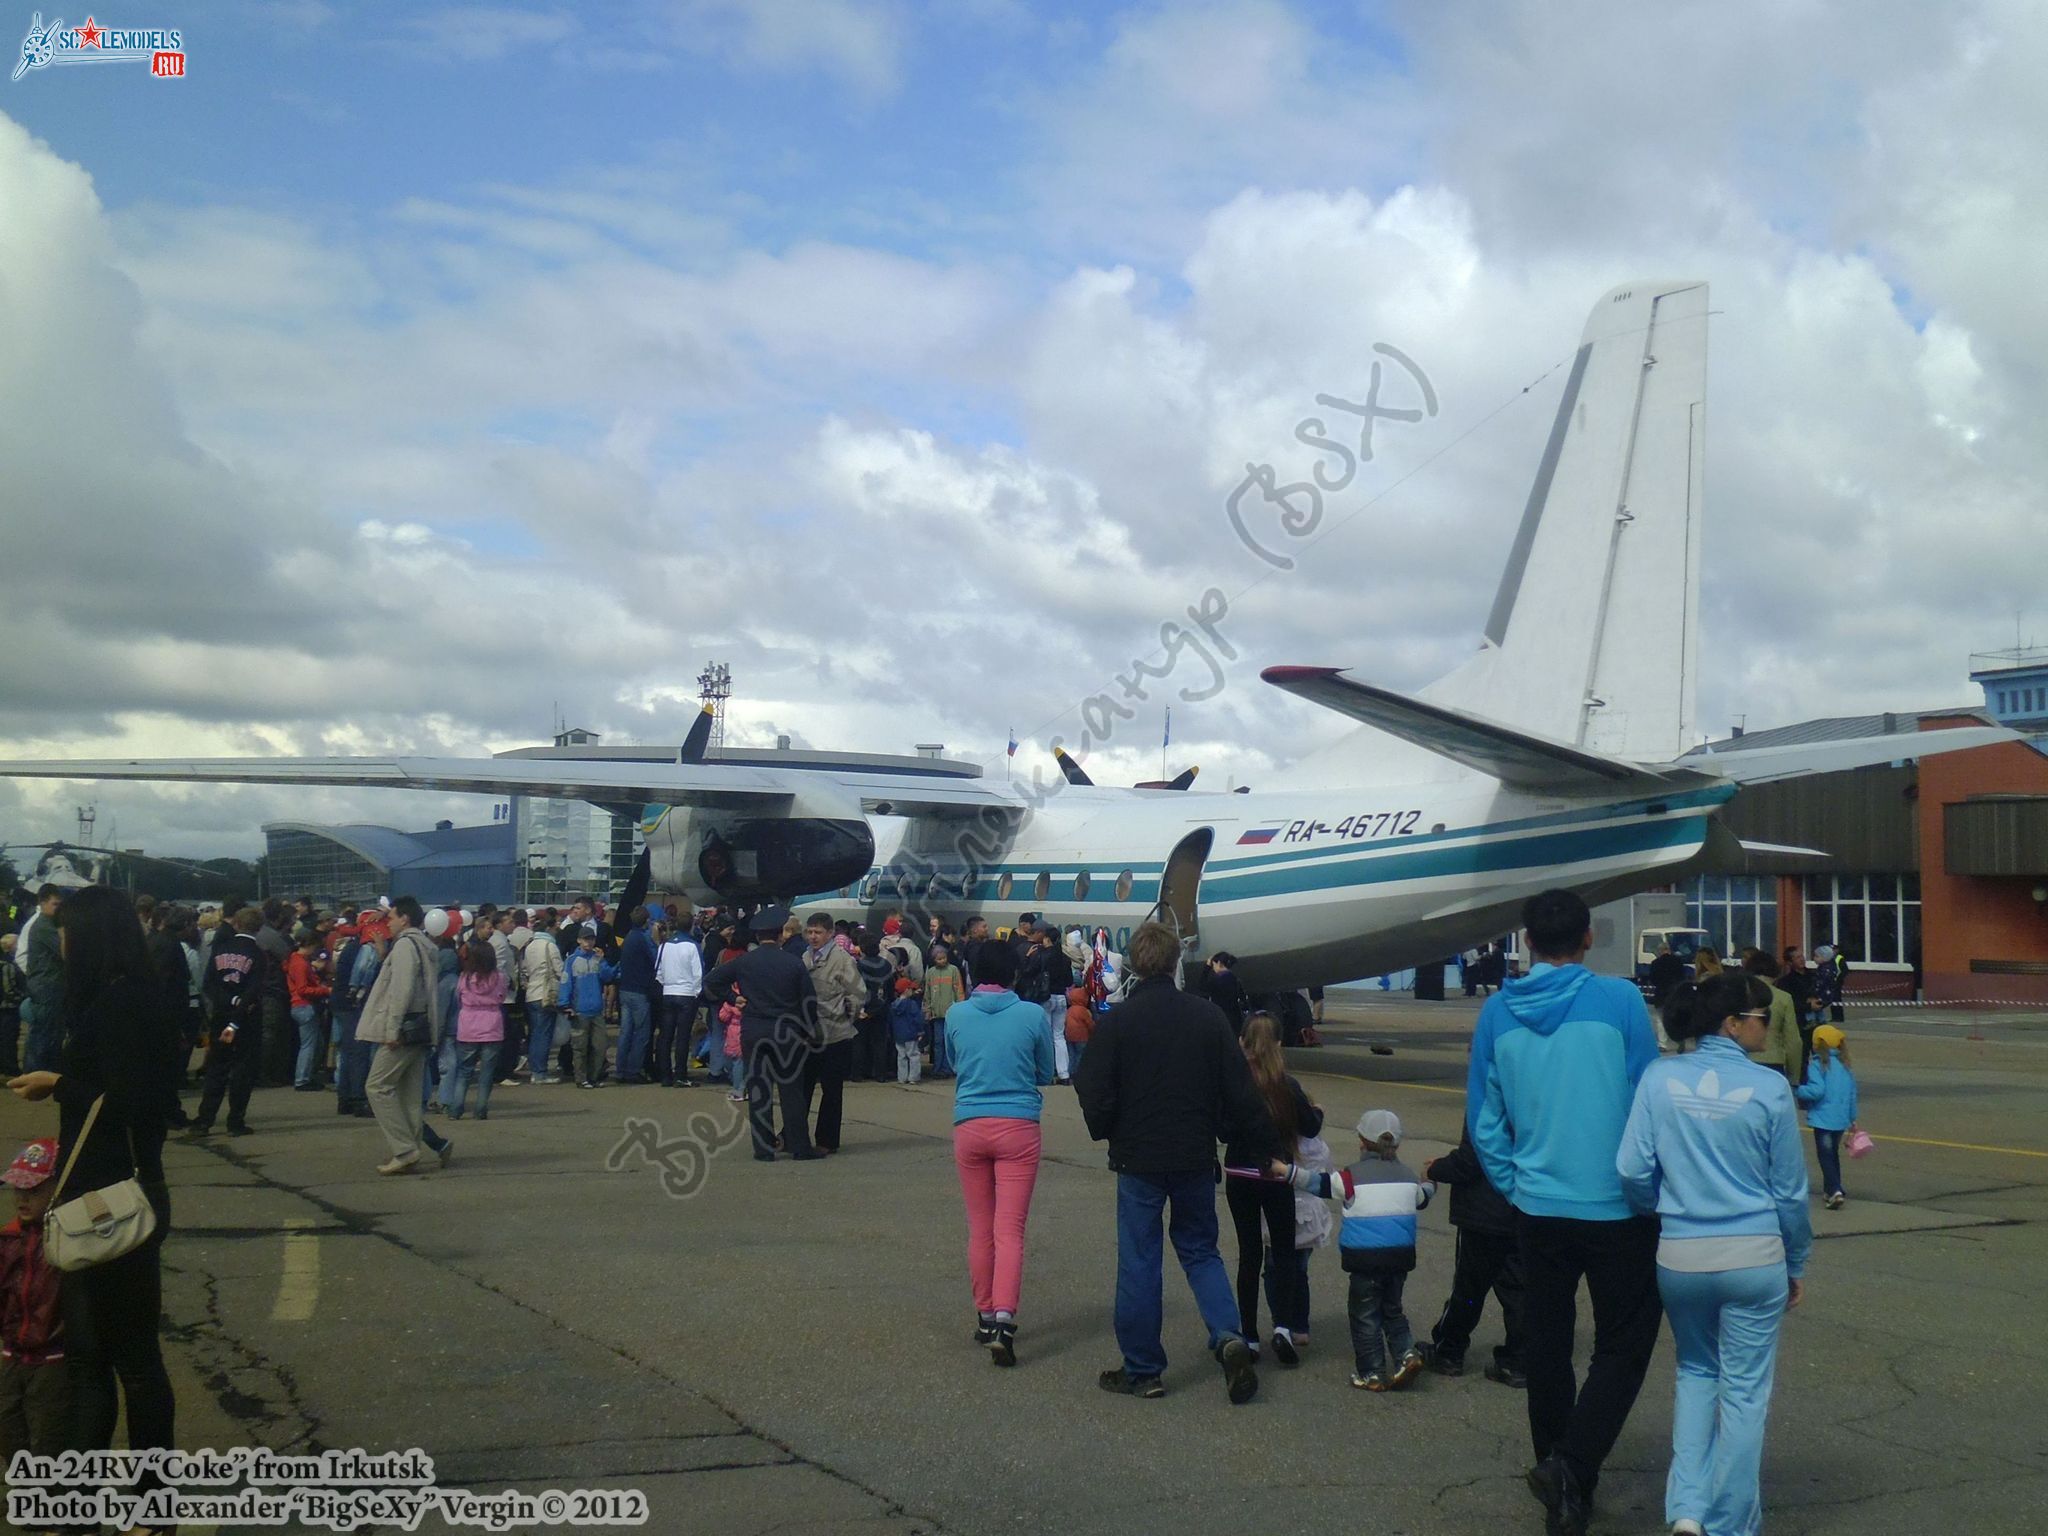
1489 1259
778 1032
1163 1081
234 985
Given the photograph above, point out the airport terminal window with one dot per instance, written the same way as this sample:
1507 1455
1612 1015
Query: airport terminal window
1874 919
1737 911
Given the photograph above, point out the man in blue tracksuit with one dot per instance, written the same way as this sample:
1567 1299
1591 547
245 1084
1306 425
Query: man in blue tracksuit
1555 1062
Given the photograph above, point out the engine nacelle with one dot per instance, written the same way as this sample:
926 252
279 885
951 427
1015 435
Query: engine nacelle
739 856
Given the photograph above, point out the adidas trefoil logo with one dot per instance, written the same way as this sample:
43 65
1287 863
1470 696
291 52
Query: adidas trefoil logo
1706 1102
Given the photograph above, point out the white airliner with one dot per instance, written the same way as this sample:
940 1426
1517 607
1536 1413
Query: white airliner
1554 756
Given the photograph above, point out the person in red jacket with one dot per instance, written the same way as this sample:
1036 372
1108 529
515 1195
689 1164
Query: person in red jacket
307 990
35 1397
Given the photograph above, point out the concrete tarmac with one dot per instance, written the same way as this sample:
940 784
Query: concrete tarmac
786 1347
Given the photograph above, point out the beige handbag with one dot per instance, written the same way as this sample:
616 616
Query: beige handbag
101 1224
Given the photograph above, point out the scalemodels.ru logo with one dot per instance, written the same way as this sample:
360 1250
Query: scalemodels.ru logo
162 48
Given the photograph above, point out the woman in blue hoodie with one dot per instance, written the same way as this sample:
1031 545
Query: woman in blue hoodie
1001 1056
1712 1147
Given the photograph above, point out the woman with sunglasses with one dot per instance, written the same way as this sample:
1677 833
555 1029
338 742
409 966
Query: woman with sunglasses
1712 1147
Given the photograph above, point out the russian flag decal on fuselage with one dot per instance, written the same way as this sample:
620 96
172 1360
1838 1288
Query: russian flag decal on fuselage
1258 835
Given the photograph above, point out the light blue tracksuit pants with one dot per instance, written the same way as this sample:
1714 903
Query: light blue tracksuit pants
1725 1325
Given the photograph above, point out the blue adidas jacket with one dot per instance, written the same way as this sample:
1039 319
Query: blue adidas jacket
1712 1146
1555 1063
1829 1094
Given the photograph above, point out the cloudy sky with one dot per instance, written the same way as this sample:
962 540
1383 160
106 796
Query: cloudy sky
402 377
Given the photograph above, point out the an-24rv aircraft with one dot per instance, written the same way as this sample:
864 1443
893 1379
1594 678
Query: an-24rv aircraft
1551 757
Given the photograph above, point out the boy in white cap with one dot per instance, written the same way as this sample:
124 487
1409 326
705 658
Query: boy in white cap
1376 1241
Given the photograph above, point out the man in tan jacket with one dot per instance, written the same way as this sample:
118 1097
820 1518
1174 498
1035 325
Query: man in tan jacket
836 979
1781 1048
402 1018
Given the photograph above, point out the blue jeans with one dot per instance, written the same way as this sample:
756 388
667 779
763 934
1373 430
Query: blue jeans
475 1061
1827 1146
942 1059
351 1061
540 1039
441 1065
307 1017
1380 1332
715 1061
1140 1257
672 1039
1725 1327
633 1016
45 1041
1074 1050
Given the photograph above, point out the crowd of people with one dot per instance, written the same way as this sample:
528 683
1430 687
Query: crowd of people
1658 1169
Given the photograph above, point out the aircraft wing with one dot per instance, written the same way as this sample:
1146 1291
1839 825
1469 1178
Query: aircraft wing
734 786
1500 751
1760 765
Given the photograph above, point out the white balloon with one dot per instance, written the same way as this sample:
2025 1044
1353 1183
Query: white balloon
437 924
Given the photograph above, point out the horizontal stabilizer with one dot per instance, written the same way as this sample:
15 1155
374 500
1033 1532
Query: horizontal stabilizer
1500 751
1724 853
1760 765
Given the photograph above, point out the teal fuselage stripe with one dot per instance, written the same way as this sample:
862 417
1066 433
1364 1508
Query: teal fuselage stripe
1233 876
1228 861
1559 848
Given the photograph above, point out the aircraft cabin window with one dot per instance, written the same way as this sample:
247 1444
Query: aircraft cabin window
1081 884
1438 827
1042 886
1123 886
1004 883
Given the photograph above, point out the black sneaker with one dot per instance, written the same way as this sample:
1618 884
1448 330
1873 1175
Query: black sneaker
1283 1348
1240 1374
1506 1375
240 1130
1122 1381
1002 1349
1441 1363
1567 1509
1546 1482
984 1330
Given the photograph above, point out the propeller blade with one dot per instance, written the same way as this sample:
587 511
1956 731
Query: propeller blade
636 884
1075 773
1182 779
698 739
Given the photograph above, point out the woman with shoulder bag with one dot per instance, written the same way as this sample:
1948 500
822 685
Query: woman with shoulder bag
111 1092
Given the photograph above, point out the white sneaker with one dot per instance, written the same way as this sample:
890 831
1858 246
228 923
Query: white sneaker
1687 1528
404 1164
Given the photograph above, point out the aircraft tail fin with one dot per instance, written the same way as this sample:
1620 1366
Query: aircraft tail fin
1593 638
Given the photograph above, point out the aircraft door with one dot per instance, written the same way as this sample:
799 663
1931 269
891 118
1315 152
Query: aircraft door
1181 884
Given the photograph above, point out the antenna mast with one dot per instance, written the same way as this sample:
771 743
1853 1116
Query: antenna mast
714 687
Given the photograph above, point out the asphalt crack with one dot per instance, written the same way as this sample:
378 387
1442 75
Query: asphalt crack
361 1223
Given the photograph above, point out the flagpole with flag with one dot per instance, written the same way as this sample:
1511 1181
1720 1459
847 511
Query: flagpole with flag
1165 741
1010 754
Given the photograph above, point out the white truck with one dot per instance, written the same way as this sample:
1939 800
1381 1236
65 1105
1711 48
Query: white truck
1628 933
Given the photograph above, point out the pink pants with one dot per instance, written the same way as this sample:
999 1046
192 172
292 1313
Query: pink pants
998 1162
